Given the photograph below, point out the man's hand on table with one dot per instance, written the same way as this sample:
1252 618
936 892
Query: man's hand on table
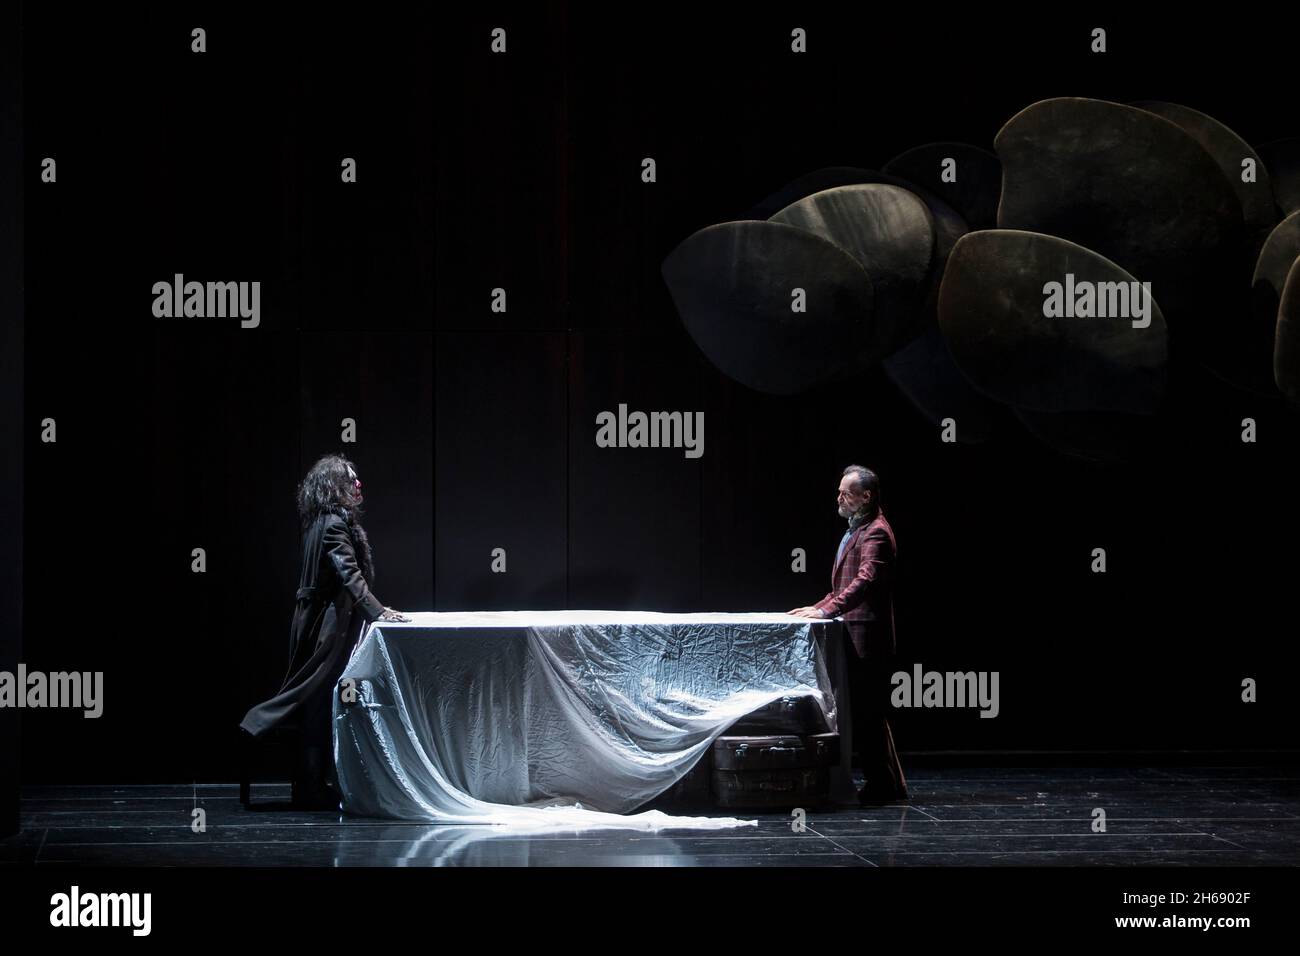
807 612
391 615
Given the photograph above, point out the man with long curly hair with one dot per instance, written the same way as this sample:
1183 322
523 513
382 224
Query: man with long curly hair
334 603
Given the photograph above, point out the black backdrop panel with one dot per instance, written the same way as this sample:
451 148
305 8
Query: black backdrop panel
501 478
476 429
634 513
384 382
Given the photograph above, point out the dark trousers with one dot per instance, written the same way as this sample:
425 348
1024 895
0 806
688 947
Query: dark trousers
873 740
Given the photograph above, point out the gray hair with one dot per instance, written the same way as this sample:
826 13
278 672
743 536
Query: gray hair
865 480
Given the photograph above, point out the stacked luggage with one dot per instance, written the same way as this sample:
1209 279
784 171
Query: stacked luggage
776 758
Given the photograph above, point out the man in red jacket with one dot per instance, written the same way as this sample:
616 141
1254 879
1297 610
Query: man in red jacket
861 584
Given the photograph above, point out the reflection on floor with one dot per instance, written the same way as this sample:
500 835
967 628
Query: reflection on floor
1170 816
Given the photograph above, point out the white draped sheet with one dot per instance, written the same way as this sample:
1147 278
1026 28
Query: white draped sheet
559 719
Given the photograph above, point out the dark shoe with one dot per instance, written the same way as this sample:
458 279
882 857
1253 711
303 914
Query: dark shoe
311 789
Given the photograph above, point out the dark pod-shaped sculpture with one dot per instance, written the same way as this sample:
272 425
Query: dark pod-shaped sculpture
735 286
1282 157
926 374
890 232
921 369
1044 324
800 187
965 177
948 224
1286 352
1228 150
1138 190
1280 252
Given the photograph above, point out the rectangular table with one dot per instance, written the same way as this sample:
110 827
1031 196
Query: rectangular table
492 716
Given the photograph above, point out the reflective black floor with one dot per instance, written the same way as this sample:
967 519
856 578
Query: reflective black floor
1171 816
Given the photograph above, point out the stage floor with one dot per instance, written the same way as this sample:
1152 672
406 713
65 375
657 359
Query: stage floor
968 816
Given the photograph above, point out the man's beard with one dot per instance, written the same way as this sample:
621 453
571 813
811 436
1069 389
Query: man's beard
861 511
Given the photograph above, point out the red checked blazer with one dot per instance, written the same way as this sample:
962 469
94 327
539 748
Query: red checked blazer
861 587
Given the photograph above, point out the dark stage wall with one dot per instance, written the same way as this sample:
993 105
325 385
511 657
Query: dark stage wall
476 430
11 402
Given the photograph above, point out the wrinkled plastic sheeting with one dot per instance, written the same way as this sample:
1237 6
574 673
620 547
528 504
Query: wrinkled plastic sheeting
557 719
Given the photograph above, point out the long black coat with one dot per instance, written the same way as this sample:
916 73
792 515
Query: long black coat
334 604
